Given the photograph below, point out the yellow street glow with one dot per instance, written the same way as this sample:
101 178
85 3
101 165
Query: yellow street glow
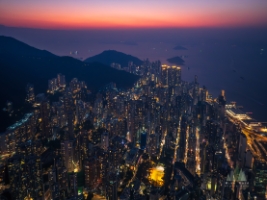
156 176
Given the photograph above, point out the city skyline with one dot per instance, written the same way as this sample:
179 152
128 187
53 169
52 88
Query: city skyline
158 138
138 14
133 100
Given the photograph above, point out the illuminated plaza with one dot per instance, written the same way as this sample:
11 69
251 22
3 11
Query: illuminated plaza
156 176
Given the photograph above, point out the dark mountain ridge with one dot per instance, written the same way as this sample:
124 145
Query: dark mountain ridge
111 56
15 47
21 64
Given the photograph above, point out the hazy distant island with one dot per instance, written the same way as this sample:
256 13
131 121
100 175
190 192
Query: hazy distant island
111 56
131 43
178 47
176 60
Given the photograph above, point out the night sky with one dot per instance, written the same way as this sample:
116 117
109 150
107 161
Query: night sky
82 14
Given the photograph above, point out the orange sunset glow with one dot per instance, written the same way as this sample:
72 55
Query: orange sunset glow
102 14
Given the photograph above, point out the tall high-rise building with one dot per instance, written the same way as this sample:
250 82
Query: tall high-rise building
242 147
70 117
143 140
164 75
180 104
73 185
211 131
105 141
260 180
196 91
152 145
121 127
53 85
204 94
30 93
170 75
53 184
62 177
221 105
61 80
67 153
25 179
112 187
67 98
45 117
90 172
80 112
68 108
175 76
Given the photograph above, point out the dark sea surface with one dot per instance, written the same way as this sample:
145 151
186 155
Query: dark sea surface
234 61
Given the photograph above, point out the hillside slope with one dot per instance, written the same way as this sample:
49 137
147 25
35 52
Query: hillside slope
21 64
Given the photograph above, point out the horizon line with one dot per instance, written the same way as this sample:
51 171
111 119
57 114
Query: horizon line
136 27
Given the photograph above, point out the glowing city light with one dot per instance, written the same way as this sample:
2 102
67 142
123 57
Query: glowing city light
156 176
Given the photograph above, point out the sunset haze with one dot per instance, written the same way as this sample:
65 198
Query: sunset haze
85 14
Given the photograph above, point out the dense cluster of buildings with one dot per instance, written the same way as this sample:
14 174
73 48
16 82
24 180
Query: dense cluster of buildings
107 144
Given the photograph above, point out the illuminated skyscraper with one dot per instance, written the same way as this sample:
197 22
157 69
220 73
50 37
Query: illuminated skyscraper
196 91
68 108
62 177
90 172
80 112
61 80
143 140
70 118
112 187
45 117
53 85
73 185
211 131
260 181
164 75
67 153
152 145
170 75
30 93
174 74
121 127
105 141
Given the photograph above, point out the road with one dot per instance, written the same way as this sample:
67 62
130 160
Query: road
162 143
227 155
186 145
135 170
262 147
198 170
177 141
253 140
